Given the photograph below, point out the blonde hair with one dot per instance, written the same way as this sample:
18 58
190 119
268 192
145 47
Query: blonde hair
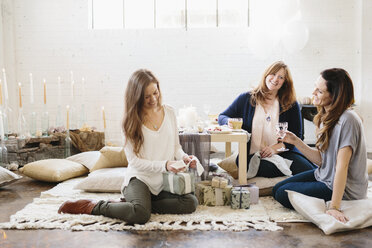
286 94
133 104
341 90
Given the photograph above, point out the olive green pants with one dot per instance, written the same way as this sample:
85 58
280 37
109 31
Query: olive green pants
140 203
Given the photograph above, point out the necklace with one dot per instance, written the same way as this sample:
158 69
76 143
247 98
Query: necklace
268 118
155 126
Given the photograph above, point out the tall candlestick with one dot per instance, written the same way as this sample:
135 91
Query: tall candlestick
5 86
104 117
68 117
1 93
31 89
72 89
20 95
44 91
59 91
83 85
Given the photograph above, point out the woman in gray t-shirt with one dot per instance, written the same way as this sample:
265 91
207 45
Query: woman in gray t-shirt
340 149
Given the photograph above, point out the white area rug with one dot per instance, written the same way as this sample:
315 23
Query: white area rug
42 214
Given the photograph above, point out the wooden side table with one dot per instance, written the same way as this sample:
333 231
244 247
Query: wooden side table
242 138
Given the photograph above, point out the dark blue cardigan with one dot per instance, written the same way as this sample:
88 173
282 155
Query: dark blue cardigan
242 108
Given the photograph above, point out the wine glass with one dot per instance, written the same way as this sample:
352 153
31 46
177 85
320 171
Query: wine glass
281 128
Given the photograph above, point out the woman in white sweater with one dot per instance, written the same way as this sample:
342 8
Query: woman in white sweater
151 146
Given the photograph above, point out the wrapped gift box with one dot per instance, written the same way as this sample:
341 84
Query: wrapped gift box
219 182
180 183
211 196
240 198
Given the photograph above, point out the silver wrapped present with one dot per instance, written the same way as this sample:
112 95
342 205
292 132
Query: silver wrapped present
180 183
240 198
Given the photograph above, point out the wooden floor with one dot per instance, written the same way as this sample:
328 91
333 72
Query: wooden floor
15 196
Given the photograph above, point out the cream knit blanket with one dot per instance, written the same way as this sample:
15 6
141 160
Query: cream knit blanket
42 214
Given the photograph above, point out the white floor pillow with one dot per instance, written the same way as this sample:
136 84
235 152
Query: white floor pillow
359 212
103 180
7 177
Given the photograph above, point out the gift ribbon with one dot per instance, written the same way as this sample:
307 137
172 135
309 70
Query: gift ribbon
170 181
241 196
219 196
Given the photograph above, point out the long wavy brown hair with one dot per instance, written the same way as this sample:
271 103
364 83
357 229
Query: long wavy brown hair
341 90
133 105
286 94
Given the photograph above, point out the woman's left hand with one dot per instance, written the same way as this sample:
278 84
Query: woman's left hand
187 159
338 215
266 152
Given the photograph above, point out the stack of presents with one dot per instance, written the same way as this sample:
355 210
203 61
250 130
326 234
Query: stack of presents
217 192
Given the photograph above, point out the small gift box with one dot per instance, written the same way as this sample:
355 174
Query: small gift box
180 183
210 196
219 182
240 198
253 190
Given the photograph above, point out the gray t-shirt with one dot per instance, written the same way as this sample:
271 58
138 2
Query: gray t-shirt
347 132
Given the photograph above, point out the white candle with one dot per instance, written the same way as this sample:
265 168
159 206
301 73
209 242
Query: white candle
31 89
5 86
59 91
20 95
44 91
67 117
104 117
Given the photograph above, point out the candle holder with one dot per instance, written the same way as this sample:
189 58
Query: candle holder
67 144
59 122
21 124
33 124
83 116
73 119
45 121
7 112
3 153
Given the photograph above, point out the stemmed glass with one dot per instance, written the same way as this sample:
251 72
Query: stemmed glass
281 128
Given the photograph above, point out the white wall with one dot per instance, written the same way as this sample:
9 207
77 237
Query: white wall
197 66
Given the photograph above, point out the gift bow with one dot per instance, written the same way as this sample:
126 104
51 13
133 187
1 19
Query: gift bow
180 164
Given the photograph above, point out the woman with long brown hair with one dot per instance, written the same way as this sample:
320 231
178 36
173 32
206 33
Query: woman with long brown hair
272 101
151 146
340 150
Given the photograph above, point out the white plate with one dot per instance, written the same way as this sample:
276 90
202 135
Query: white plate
238 130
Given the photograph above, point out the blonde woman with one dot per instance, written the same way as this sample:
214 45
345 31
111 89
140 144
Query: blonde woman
152 146
272 101
340 149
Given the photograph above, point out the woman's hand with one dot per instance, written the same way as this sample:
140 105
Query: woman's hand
289 138
171 169
266 152
187 159
338 215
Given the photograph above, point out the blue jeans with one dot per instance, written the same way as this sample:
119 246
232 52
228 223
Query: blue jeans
268 169
304 183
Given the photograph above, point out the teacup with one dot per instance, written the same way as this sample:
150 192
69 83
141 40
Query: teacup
235 123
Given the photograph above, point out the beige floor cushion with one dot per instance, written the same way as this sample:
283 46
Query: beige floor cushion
103 180
110 157
229 165
53 170
7 177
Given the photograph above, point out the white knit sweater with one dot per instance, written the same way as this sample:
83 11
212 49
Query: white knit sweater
158 147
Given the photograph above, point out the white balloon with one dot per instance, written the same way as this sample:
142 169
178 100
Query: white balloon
261 42
295 36
286 9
